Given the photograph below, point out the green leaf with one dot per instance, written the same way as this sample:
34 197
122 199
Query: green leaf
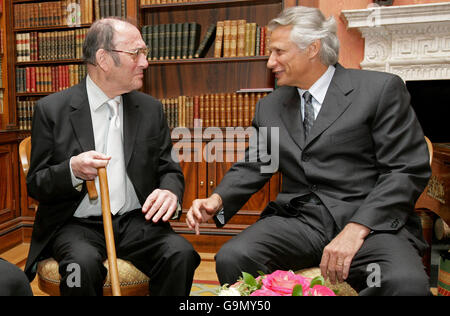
318 280
262 274
297 290
249 279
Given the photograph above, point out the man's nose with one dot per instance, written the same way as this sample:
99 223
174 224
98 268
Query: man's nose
142 61
272 61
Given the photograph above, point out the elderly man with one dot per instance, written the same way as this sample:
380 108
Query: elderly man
101 122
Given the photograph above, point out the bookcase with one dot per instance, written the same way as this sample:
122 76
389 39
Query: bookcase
174 75
41 55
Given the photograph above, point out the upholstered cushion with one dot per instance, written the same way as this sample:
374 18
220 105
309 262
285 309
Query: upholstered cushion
343 289
129 275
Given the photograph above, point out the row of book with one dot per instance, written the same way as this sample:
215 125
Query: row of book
1 41
55 13
105 8
56 45
25 109
1 72
238 38
214 110
48 78
171 41
150 2
66 12
1 101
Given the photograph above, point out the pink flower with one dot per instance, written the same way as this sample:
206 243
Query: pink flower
265 292
320 290
283 282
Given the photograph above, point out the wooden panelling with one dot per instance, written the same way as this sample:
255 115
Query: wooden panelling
201 78
8 185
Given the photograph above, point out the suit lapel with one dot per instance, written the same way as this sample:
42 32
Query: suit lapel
291 116
81 119
131 121
335 103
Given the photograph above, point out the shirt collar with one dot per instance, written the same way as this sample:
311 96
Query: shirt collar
319 89
96 96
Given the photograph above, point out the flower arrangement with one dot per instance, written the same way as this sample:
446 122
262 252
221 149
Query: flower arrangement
278 283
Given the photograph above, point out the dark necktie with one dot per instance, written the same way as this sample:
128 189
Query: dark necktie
308 121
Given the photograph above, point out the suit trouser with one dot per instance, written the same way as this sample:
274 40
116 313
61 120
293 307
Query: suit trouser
386 264
13 281
166 258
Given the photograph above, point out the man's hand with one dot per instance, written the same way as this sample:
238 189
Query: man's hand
85 165
203 210
160 203
338 254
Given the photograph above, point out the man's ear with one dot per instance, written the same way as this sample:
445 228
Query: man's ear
103 59
314 49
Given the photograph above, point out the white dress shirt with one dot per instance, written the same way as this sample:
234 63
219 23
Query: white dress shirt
100 121
318 91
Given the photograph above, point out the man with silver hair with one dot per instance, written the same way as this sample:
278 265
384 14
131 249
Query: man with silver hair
353 161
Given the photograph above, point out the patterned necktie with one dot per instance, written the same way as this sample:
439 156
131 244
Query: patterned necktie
116 166
308 121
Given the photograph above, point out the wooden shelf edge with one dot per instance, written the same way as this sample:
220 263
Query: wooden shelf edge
208 60
50 28
39 62
209 3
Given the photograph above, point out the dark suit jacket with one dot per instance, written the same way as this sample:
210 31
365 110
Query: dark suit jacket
365 157
62 128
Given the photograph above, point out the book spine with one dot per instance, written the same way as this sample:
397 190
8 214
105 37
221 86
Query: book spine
185 43
194 35
167 37
162 41
219 39
155 55
173 41
240 120
252 38
234 109
228 109
226 38
257 40
179 40
233 38
206 41
262 42
247 39
223 110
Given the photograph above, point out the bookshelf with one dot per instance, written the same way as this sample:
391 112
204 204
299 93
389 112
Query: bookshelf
39 17
3 69
168 78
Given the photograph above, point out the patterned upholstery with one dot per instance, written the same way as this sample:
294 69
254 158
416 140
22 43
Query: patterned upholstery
132 281
343 289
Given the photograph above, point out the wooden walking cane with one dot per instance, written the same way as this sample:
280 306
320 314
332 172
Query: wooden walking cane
107 224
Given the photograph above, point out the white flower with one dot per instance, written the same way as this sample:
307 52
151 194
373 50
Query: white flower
229 292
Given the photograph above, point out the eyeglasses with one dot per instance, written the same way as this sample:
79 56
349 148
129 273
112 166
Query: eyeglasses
134 53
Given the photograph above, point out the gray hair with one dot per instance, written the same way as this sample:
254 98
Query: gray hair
100 35
308 25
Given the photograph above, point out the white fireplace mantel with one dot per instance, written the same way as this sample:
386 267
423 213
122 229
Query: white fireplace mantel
412 41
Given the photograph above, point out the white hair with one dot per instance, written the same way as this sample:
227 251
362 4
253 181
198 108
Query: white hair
308 25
